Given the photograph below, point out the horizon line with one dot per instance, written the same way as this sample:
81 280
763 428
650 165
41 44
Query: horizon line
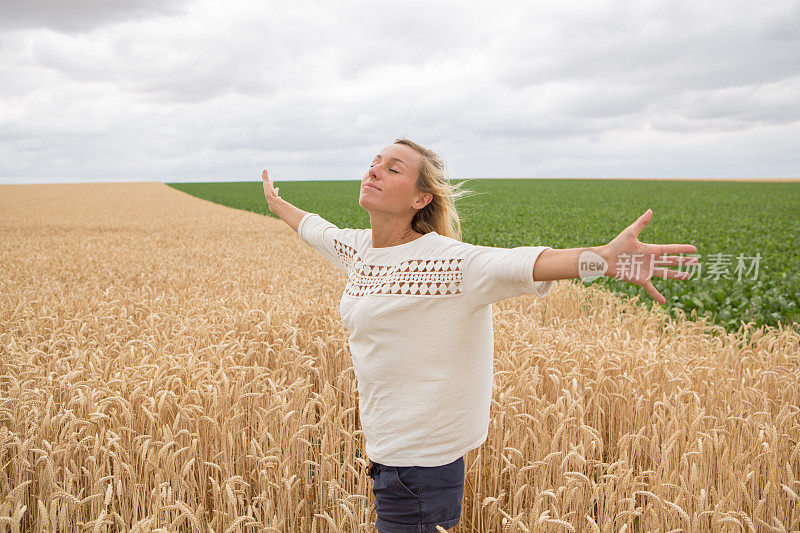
194 180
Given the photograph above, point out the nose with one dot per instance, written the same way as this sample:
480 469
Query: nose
372 174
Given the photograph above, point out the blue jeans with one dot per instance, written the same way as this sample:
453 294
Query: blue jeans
415 499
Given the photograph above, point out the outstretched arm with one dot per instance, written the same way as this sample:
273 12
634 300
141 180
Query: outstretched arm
286 211
624 258
562 263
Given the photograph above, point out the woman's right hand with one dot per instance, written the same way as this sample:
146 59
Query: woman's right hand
270 192
285 211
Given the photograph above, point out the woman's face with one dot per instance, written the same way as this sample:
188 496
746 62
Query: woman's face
390 184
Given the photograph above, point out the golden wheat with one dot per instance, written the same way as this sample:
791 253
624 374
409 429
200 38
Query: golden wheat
169 364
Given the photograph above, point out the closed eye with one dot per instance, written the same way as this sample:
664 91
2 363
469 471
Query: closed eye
391 169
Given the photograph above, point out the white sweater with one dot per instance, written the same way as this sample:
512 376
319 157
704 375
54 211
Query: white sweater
421 336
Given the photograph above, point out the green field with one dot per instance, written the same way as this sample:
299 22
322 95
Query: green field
726 219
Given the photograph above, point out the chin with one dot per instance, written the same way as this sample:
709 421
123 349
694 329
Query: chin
365 205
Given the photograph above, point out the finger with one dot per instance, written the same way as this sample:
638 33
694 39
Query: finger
653 292
662 249
640 223
665 273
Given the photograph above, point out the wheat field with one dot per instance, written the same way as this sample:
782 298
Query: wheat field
169 364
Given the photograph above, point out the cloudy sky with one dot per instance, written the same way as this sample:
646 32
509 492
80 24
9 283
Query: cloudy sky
172 90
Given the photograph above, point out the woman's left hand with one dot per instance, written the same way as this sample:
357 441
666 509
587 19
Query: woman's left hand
634 261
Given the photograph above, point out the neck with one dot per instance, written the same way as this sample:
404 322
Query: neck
390 231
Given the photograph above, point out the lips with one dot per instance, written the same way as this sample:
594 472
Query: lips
371 185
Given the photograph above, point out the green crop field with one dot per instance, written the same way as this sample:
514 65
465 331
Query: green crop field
744 231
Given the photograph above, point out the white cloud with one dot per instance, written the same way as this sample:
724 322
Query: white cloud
310 90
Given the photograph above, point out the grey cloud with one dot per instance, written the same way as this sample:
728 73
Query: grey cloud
195 60
673 123
155 74
650 58
783 25
755 104
77 16
707 45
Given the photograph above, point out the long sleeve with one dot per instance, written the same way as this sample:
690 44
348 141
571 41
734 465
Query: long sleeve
336 244
494 274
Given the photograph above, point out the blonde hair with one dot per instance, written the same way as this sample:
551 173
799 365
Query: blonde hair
440 214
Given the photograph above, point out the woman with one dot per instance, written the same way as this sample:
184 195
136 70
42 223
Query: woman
417 304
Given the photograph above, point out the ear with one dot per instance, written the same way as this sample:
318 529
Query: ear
423 200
